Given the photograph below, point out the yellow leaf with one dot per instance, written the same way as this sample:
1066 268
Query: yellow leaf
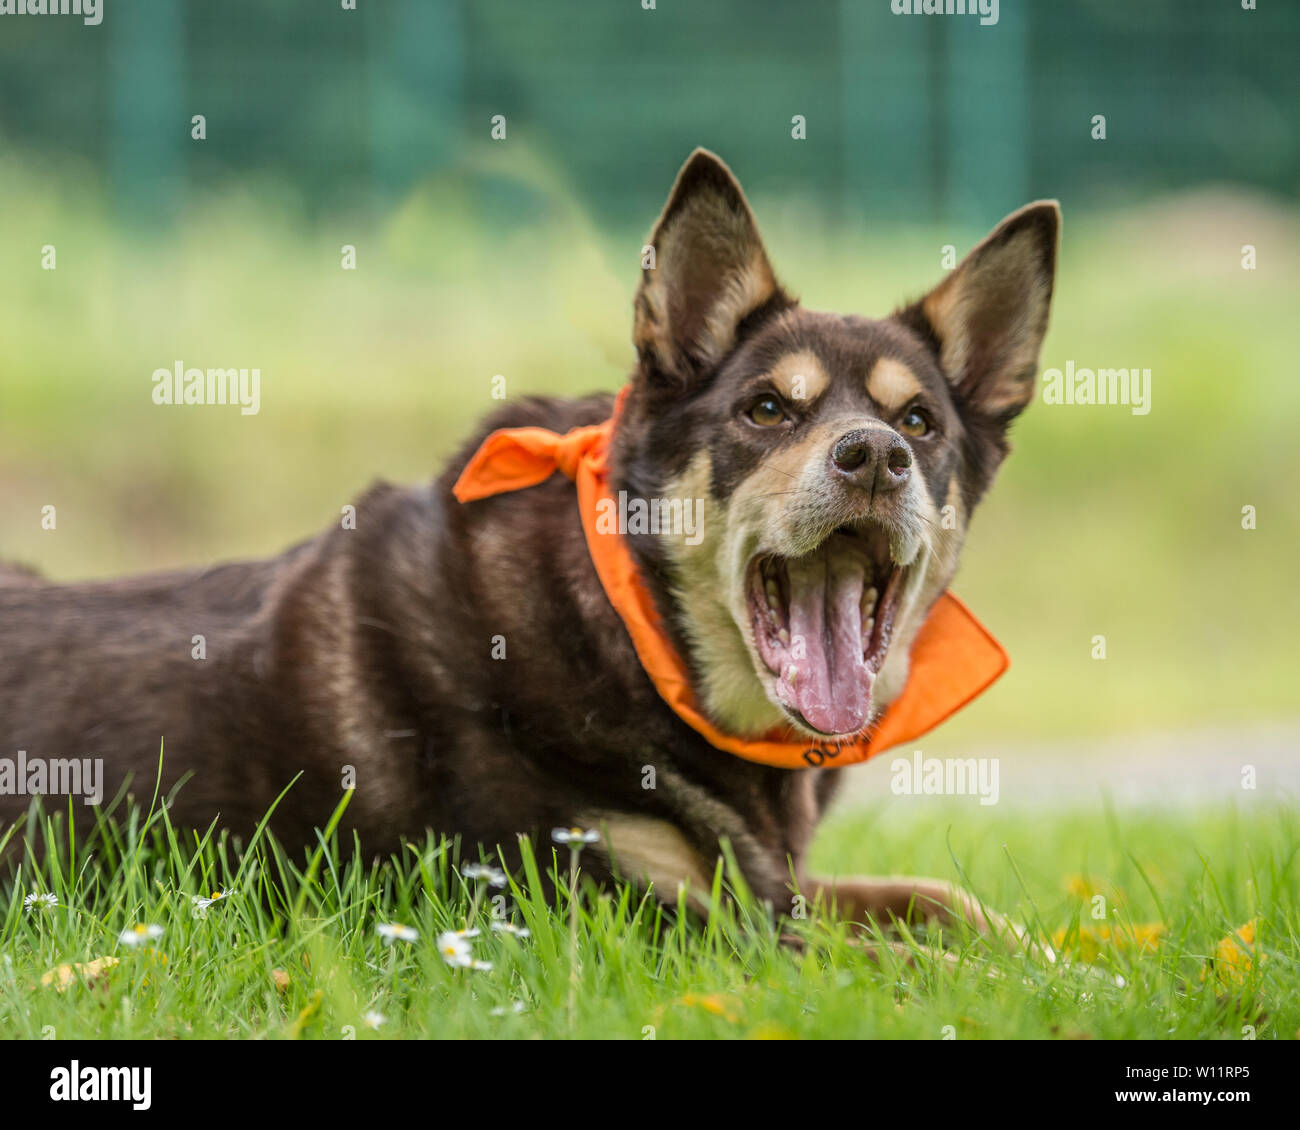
719 1004
1234 958
62 976
1092 940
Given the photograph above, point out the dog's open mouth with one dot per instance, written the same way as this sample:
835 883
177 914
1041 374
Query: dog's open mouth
822 624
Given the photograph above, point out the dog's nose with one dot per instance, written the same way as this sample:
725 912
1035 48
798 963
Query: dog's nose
874 458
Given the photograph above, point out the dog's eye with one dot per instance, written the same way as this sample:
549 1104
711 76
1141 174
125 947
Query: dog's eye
915 424
767 413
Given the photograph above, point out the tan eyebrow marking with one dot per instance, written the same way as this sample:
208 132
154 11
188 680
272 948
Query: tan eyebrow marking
891 383
799 376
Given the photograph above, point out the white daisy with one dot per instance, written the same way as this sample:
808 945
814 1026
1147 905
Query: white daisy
455 949
139 933
395 932
493 876
578 836
201 904
45 901
373 1019
511 929
501 1010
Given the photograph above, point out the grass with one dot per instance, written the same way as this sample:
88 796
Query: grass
294 952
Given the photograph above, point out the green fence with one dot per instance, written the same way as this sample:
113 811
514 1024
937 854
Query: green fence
939 117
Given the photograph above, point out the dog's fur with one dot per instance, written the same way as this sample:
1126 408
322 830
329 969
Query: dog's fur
380 647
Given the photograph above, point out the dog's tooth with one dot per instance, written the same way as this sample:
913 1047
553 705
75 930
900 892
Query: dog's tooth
784 637
791 674
868 626
773 596
869 598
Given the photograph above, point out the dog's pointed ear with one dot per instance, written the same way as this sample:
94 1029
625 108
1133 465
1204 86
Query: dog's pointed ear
703 272
989 316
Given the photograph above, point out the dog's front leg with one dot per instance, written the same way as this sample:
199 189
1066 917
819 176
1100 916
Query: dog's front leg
863 899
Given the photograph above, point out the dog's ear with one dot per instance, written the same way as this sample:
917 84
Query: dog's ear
708 272
987 319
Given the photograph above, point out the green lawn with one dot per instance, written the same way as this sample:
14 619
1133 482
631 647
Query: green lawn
295 950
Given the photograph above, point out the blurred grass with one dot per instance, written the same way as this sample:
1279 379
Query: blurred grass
1102 523
1187 923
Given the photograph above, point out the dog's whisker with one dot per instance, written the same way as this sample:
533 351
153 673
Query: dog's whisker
769 466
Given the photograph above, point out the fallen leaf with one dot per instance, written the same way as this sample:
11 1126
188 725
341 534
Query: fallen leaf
719 1004
63 976
1234 958
1091 940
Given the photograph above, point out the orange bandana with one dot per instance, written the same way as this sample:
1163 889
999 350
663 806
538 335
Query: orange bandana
953 659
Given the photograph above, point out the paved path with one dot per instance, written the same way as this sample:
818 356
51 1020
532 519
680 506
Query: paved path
1175 770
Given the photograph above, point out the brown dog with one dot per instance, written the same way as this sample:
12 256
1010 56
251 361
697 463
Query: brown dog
461 663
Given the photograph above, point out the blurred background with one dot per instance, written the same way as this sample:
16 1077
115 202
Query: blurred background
478 257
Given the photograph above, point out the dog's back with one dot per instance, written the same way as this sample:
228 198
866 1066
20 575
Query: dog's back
355 658
109 670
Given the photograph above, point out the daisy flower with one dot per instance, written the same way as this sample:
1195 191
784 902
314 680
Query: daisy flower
395 932
373 1019
201 904
511 929
46 901
493 876
575 836
501 1010
139 933
455 949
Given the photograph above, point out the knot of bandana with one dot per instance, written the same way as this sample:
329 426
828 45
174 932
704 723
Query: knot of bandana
517 458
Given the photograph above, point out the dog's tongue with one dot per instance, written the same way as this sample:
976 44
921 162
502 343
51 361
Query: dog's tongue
832 687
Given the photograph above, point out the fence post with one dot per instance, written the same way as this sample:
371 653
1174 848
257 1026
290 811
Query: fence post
149 125
988 116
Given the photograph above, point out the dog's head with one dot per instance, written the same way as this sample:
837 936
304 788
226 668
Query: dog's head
837 458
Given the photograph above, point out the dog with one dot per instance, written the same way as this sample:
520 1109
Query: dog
456 655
